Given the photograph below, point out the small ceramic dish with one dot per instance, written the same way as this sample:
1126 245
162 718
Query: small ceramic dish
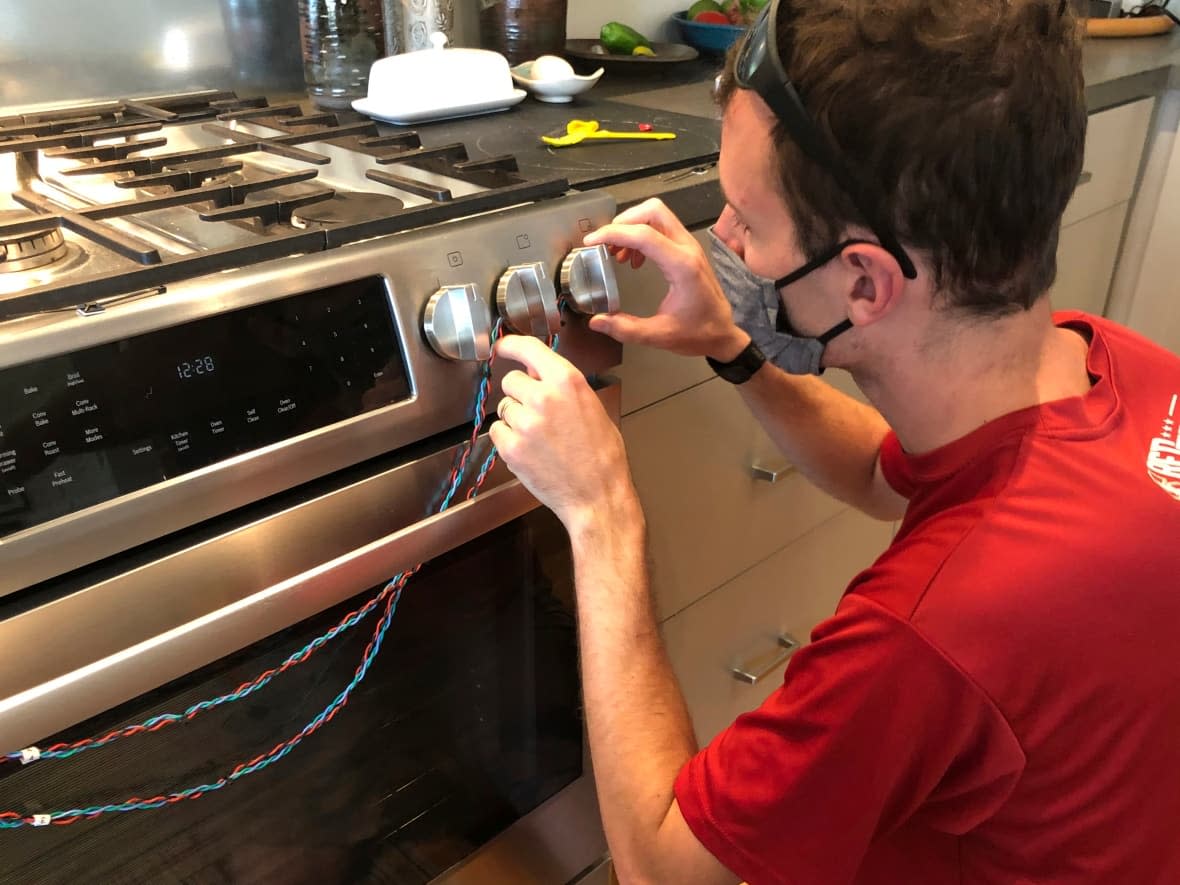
553 90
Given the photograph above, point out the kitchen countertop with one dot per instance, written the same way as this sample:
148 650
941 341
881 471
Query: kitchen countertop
1115 71
1119 70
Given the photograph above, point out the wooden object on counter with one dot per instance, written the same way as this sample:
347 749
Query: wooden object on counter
1143 26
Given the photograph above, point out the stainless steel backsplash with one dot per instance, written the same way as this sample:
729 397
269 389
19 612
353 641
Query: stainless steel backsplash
66 51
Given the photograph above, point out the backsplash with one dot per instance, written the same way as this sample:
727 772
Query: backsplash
66 51
72 50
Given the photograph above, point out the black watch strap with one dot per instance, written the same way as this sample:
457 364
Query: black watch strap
742 367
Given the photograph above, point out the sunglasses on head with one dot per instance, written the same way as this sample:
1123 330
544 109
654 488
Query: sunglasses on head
759 68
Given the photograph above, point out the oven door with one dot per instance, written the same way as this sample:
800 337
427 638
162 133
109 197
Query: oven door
458 756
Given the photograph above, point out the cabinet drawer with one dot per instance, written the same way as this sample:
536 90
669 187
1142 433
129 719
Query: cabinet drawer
708 517
1086 254
1114 147
649 374
738 624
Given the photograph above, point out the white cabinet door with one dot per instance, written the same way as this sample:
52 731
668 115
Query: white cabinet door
1114 150
649 374
738 625
708 517
1086 254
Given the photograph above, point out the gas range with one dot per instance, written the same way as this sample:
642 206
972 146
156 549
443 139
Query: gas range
206 301
106 199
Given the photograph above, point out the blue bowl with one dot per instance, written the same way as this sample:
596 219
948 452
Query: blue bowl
706 37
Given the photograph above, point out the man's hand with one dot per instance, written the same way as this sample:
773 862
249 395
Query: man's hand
694 319
554 434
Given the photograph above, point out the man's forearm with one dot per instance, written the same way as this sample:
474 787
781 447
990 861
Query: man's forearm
640 731
831 438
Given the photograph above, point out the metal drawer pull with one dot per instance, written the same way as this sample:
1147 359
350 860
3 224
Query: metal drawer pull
1084 178
753 672
771 472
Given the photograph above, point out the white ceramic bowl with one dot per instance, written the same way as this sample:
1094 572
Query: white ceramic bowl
553 90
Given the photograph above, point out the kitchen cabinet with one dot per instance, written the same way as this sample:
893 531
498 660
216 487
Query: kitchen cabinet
1145 292
739 624
709 517
720 538
648 373
1092 226
1086 254
1114 149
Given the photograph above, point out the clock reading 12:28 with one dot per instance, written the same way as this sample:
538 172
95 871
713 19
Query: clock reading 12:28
201 365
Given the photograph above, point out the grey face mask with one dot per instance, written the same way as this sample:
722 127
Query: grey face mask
759 313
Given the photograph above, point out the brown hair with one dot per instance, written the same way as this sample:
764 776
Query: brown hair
966 116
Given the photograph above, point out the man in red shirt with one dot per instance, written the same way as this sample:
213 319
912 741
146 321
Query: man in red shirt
997 699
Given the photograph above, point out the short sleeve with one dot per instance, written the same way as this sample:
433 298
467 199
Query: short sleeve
871 727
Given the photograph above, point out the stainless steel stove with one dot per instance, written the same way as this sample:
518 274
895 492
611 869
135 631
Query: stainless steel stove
238 351
146 193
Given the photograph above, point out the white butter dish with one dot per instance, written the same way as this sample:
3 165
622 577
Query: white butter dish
438 84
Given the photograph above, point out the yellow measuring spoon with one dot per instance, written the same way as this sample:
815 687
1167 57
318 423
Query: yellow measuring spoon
577 131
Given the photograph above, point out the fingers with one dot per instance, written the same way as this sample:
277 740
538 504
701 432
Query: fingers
623 255
654 331
502 407
655 213
521 387
642 238
535 356
505 439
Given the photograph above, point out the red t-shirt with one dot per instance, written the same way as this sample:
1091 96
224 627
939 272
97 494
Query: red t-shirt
997 699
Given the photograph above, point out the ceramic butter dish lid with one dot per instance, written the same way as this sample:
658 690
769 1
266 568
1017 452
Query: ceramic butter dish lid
438 83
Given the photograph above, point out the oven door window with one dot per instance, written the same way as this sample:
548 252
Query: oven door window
468 719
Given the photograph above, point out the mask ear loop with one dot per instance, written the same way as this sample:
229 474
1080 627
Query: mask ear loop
819 261
780 321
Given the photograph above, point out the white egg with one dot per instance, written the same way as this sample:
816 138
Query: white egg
551 67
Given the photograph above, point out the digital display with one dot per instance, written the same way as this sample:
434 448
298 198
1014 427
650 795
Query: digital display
89 426
202 365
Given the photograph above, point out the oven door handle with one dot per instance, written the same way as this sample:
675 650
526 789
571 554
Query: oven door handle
81 655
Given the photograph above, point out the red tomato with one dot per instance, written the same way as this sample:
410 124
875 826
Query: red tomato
711 18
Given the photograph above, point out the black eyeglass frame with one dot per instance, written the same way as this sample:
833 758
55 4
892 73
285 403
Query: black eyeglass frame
759 68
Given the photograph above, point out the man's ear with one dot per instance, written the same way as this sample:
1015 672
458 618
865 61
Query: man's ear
876 282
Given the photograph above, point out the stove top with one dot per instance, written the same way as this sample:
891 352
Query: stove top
124 197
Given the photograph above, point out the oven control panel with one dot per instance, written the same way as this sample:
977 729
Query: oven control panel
157 411
83 427
457 323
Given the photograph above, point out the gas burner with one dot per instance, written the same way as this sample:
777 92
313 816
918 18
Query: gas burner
30 249
346 208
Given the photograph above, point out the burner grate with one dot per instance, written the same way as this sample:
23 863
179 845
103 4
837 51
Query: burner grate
214 182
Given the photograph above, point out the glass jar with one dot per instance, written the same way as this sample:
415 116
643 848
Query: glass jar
341 40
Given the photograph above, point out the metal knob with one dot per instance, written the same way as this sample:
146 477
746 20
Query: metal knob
527 300
458 323
588 280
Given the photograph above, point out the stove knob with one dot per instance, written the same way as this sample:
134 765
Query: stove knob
527 301
458 323
588 280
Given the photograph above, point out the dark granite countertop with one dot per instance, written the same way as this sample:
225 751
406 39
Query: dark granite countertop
678 97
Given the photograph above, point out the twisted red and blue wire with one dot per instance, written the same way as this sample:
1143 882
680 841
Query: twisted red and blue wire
390 594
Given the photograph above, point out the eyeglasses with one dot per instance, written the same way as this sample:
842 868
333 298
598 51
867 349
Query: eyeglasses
760 69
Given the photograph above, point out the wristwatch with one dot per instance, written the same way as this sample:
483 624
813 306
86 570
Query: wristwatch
742 367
